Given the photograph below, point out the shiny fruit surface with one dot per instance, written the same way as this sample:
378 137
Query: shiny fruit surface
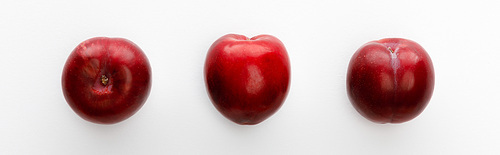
247 79
106 80
390 80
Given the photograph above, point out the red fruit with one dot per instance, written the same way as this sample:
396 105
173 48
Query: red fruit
390 80
106 80
247 78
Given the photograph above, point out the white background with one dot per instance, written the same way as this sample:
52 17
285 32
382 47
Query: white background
462 39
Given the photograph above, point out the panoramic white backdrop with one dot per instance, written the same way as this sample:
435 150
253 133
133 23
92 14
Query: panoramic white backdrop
462 38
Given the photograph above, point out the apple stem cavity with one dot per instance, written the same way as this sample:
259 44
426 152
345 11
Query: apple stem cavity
104 80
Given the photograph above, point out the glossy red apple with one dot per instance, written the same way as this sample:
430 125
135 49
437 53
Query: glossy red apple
390 80
106 80
247 79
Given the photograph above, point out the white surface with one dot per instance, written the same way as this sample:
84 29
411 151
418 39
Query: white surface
462 39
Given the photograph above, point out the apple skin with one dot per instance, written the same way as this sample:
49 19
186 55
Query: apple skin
247 79
390 80
106 80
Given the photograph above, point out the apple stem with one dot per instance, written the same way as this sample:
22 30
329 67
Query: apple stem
104 79
390 49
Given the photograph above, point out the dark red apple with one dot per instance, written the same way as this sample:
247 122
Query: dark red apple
106 80
390 80
247 79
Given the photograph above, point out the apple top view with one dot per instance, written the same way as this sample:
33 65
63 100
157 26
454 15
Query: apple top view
106 80
390 80
247 79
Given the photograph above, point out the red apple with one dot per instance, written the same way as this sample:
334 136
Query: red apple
247 79
106 80
390 80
